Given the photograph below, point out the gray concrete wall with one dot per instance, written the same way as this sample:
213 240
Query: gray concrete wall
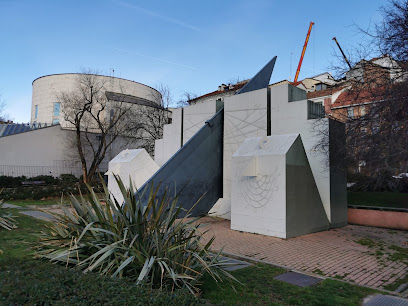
304 208
38 152
49 151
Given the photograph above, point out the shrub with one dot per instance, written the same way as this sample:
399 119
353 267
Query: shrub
68 178
48 179
148 243
382 183
28 282
11 182
38 192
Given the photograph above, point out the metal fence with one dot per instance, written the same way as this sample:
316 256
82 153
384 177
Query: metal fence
59 167
31 171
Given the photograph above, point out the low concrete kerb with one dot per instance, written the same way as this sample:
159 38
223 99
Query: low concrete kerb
255 260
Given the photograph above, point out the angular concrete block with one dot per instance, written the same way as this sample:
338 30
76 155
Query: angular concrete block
273 191
134 164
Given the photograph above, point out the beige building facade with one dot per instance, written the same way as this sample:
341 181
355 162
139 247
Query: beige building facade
46 106
47 146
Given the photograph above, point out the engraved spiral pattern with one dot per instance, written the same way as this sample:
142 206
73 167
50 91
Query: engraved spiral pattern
259 190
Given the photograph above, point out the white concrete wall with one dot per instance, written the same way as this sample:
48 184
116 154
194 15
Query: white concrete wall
39 152
258 190
46 89
194 118
171 142
245 115
50 151
291 117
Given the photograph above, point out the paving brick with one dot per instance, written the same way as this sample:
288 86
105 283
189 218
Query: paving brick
333 252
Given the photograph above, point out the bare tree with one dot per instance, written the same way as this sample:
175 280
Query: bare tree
186 99
155 117
3 117
97 121
376 100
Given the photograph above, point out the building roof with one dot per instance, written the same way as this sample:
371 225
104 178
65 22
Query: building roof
359 96
235 87
297 83
119 97
324 92
8 129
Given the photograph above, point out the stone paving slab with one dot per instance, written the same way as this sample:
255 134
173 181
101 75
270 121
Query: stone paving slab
234 264
384 300
349 253
298 279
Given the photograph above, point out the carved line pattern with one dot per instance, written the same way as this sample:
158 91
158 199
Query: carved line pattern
258 190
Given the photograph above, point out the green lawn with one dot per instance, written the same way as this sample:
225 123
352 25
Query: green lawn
17 243
26 280
378 199
25 203
50 201
259 288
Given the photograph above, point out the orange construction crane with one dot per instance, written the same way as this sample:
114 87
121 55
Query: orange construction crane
303 52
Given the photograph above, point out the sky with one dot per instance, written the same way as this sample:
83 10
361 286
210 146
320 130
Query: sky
189 46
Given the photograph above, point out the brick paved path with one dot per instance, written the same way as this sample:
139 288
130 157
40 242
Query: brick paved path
354 253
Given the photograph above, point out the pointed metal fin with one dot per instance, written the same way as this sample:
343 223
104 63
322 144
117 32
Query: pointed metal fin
261 79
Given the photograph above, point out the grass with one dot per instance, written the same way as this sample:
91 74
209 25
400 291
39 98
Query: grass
367 242
24 280
17 243
41 283
394 286
399 254
48 201
378 199
25 203
260 288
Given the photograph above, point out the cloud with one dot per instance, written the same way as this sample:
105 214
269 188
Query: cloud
159 16
154 58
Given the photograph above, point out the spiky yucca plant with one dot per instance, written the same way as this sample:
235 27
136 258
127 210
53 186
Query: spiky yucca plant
7 221
149 243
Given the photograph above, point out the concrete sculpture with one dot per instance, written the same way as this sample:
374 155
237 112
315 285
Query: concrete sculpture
210 164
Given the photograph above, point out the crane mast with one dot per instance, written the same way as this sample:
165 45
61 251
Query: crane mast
303 52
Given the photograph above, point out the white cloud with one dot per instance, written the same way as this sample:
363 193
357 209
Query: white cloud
159 16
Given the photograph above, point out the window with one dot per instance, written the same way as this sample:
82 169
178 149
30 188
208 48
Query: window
363 110
36 112
350 112
57 106
55 121
320 86
112 114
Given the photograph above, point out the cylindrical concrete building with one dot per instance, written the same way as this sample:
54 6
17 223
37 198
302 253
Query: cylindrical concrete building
46 107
